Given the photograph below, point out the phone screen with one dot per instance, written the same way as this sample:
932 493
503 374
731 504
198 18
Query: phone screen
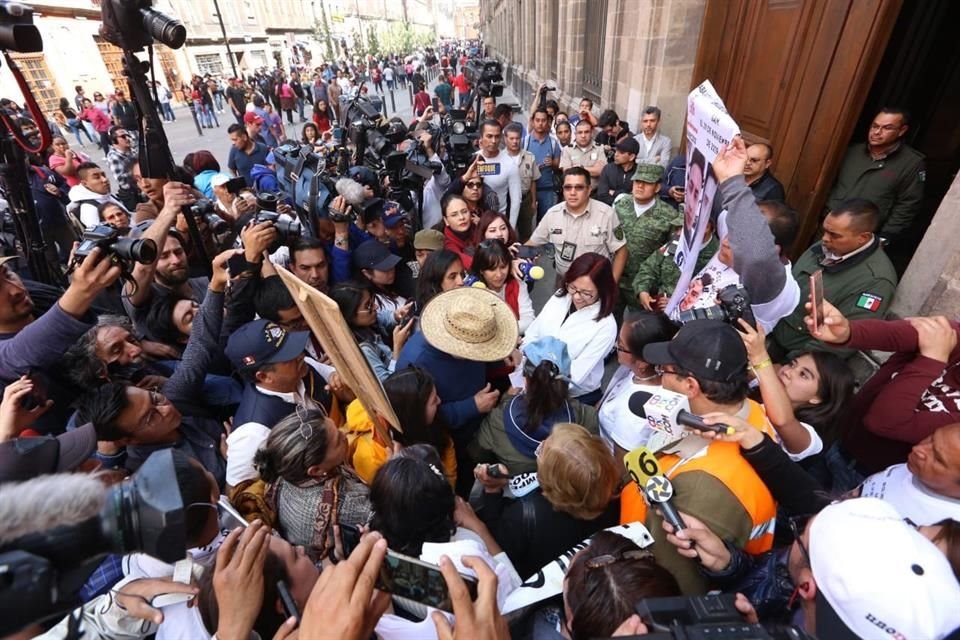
436 104
816 298
350 537
419 581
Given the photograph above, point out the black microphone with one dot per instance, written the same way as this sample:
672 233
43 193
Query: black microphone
659 491
664 409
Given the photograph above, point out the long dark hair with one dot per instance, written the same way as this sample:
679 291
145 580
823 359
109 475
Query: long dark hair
835 390
489 255
412 503
545 394
408 391
430 280
348 296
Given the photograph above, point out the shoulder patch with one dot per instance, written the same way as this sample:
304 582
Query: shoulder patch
618 232
869 301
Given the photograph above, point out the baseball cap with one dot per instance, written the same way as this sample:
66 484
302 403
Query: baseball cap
393 215
264 342
364 176
252 118
24 458
219 180
428 239
549 349
709 349
628 145
878 576
648 172
373 254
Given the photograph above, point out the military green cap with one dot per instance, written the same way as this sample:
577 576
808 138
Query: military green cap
648 173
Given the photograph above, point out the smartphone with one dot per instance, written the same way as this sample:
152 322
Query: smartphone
37 397
816 298
349 537
528 253
493 470
289 606
436 104
230 518
234 185
422 582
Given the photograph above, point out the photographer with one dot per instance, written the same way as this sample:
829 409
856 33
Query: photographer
439 182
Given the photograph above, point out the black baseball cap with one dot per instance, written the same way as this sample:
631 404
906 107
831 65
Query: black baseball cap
264 342
709 349
375 255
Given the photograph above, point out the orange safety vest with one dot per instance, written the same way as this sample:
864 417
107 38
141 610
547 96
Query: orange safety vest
724 462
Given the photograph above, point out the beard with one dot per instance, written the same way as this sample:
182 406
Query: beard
173 278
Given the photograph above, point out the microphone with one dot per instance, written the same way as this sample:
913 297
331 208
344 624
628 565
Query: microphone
47 502
665 410
530 271
474 281
659 492
351 190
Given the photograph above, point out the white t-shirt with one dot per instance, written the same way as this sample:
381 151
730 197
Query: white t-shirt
500 173
912 499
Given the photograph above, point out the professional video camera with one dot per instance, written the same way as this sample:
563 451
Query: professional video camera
459 134
308 177
705 618
288 231
486 76
133 24
121 250
44 570
733 303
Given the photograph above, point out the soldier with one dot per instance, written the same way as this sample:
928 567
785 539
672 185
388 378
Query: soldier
657 277
647 223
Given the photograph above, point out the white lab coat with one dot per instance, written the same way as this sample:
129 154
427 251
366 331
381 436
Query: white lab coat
588 340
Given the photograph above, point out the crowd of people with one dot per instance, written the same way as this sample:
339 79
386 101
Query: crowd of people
823 501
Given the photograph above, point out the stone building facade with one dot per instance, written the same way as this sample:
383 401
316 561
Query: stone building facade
624 54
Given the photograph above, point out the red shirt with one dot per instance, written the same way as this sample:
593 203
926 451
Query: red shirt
910 397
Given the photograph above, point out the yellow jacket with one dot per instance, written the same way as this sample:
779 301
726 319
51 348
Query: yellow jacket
367 454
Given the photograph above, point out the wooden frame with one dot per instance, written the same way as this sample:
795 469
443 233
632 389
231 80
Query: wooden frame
327 324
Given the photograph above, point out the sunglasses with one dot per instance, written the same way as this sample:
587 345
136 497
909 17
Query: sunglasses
473 184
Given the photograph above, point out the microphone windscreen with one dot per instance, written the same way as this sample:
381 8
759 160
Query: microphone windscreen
536 273
636 402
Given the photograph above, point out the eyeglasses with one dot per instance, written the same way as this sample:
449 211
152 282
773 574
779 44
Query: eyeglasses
305 429
473 184
585 295
156 400
574 187
607 559
370 305
661 371
621 348
798 525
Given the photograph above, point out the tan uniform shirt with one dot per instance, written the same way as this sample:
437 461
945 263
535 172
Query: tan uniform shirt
574 156
596 230
529 171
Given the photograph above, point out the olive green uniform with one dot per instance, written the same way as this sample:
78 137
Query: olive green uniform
659 273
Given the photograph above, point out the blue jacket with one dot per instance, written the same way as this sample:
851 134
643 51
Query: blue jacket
456 380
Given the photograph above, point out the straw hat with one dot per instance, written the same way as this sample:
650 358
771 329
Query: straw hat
470 323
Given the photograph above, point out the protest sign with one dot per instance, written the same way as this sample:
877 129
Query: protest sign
330 329
709 127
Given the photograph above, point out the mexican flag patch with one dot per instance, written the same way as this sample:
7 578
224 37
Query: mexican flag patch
869 301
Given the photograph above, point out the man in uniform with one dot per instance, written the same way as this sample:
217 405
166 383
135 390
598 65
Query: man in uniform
659 274
584 153
858 277
886 171
580 225
647 223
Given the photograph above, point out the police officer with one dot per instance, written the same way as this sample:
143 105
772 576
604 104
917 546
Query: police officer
647 223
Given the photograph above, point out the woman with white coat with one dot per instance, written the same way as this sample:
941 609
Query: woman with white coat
581 315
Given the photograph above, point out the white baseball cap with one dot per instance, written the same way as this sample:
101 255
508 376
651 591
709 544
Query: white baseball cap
220 179
882 578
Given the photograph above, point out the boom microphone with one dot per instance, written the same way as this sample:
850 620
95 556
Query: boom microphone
352 191
665 410
47 502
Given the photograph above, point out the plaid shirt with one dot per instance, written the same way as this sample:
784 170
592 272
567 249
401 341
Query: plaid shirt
120 164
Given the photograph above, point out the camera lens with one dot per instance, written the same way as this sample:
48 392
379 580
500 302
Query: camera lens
167 30
267 201
143 251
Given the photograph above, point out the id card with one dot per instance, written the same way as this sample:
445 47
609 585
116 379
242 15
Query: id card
568 251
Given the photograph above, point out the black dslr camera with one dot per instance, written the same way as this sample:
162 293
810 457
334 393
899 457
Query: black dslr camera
205 210
733 303
43 572
121 250
287 230
705 618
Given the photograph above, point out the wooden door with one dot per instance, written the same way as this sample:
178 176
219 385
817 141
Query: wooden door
795 73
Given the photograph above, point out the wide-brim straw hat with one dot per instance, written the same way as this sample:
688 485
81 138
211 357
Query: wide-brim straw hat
470 323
